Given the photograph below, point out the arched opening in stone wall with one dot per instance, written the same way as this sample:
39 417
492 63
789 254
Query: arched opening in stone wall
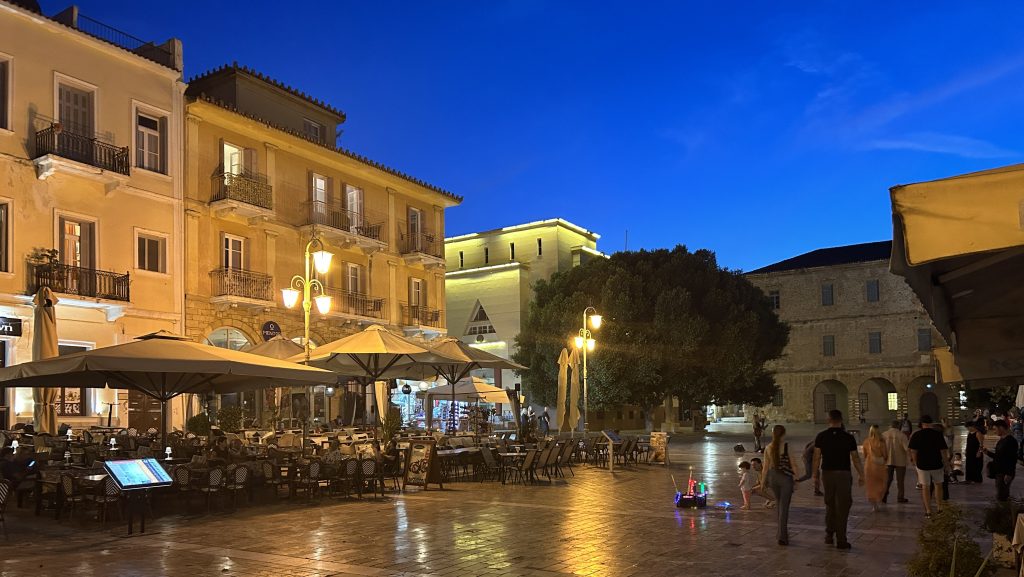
828 395
924 397
928 404
877 402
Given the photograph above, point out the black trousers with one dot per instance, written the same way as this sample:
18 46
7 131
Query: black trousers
838 489
901 475
1003 483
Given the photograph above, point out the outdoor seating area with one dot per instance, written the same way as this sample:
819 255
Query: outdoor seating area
65 476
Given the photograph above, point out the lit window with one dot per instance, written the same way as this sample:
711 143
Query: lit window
893 400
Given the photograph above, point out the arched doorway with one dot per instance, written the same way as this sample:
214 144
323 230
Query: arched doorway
929 405
828 395
876 401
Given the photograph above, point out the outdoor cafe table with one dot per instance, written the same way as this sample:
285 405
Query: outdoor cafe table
508 460
447 456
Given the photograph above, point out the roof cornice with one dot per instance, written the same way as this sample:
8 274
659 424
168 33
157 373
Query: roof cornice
234 67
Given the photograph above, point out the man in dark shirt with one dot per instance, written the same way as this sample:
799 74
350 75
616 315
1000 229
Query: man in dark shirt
1005 460
930 455
834 450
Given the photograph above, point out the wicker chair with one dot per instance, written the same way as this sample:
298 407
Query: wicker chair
71 493
369 474
211 482
308 479
272 477
182 477
5 493
107 494
237 481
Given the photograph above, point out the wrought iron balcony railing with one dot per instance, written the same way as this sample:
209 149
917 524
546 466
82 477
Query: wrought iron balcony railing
250 188
424 241
367 224
56 139
420 315
351 303
242 283
76 280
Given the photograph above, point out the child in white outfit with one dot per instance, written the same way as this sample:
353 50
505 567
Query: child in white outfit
748 480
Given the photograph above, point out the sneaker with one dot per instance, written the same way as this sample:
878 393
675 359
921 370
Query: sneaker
843 545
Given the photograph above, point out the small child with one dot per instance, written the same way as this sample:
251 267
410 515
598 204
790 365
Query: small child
958 468
747 482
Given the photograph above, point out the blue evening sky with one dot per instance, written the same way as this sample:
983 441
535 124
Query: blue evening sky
756 129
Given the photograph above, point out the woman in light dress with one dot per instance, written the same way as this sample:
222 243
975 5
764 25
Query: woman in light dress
876 455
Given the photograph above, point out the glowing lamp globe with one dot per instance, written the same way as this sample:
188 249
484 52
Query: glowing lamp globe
578 341
323 304
595 321
591 343
290 297
322 261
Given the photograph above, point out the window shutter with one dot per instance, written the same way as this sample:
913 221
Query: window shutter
223 247
329 196
249 160
88 244
163 145
220 154
247 254
309 185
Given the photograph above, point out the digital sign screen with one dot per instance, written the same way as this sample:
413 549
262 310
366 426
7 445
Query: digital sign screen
138 474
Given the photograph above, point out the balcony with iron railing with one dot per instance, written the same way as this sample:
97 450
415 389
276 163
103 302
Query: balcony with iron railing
161 53
248 193
77 280
64 142
422 316
421 246
352 304
366 228
236 286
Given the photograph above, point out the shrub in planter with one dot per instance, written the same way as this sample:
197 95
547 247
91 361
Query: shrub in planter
199 425
939 536
1000 518
230 418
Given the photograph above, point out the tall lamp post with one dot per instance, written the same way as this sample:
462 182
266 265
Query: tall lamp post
305 285
585 342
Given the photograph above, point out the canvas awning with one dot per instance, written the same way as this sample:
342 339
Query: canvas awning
959 242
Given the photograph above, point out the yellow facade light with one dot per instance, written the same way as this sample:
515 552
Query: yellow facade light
591 343
290 297
579 342
322 261
595 321
323 304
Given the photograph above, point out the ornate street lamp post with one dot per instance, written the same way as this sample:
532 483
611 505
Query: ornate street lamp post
305 284
585 342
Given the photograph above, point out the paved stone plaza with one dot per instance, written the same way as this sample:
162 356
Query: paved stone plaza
593 524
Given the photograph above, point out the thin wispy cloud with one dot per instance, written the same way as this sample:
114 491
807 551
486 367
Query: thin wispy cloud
942 143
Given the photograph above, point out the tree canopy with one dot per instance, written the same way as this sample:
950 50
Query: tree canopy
674 324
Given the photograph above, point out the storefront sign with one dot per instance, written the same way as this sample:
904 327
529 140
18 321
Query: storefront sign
419 462
270 330
659 448
10 327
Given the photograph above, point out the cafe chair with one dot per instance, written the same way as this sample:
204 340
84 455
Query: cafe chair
106 494
182 477
71 493
369 474
212 481
565 459
5 492
272 477
237 480
307 479
524 471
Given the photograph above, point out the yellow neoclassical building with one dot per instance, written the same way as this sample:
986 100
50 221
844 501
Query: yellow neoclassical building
90 195
262 177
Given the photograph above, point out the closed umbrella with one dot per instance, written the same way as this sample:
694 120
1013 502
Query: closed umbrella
44 346
574 390
162 366
563 375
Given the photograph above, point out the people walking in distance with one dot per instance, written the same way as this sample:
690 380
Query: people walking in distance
896 461
930 456
780 475
905 425
876 457
748 481
758 433
1004 460
545 422
808 468
974 451
834 452
949 433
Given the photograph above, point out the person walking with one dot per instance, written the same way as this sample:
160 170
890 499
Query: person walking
834 451
896 461
808 466
974 450
876 455
1004 460
930 456
545 422
758 433
905 425
780 475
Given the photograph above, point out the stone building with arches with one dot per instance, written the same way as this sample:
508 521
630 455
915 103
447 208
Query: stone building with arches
860 341
264 175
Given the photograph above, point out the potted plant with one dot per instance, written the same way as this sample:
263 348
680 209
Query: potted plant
943 537
198 425
1000 520
230 418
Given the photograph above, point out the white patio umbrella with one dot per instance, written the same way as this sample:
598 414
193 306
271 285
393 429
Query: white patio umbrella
960 244
44 346
162 366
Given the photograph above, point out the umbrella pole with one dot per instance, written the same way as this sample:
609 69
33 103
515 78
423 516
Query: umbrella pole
163 423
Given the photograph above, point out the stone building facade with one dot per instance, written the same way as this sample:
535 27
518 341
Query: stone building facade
263 177
90 197
860 341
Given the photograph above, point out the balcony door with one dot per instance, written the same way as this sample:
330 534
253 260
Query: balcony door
77 253
75 114
354 202
234 161
415 229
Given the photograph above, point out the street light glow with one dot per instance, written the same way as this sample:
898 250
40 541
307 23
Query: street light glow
579 342
290 296
322 261
323 304
591 343
595 321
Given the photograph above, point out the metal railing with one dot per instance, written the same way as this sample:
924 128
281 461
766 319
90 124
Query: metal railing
242 283
421 315
72 17
250 188
345 302
76 280
56 139
424 241
366 224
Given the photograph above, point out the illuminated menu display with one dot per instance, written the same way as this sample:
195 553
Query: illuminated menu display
137 474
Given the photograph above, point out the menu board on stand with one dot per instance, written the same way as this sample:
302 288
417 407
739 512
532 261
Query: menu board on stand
659 448
420 464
